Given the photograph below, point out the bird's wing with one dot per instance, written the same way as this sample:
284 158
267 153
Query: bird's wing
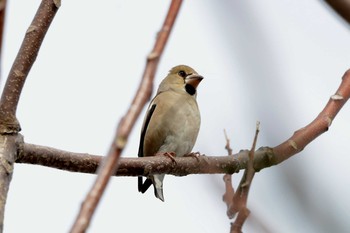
144 129
143 187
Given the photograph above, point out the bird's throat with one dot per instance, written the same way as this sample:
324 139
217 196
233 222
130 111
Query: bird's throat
190 89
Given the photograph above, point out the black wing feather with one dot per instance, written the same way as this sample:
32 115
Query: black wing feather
144 186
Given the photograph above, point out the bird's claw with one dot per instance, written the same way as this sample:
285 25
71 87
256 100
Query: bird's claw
170 155
194 155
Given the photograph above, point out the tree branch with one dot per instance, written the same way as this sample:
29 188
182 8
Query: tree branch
319 125
23 63
342 7
8 153
10 140
85 163
2 24
109 165
264 157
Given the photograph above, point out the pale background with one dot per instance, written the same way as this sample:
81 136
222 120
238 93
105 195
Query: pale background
276 61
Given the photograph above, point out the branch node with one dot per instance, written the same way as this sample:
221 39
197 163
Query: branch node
152 56
293 144
329 121
57 3
6 165
337 97
31 28
120 142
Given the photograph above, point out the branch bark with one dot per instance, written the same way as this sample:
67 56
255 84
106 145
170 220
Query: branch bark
109 165
8 152
23 63
264 157
10 140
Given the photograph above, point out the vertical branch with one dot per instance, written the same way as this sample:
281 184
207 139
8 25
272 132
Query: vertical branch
8 153
9 126
23 63
109 165
2 23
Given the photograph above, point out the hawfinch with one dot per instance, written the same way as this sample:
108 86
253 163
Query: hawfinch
171 123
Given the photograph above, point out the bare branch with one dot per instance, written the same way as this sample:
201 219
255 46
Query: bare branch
229 191
2 23
341 7
263 157
319 125
22 65
8 154
241 196
143 94
85 163
10 140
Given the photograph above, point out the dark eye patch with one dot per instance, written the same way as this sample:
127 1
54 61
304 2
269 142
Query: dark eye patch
182 73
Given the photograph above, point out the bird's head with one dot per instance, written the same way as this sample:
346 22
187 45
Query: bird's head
181 78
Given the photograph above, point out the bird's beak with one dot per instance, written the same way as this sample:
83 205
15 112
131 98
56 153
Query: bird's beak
194 80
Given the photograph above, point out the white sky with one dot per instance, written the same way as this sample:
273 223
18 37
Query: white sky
276 61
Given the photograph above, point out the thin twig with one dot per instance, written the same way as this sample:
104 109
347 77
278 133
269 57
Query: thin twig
227 146
241 196
109 165
229 191
23 63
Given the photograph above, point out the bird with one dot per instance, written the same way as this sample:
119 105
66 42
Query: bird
171 123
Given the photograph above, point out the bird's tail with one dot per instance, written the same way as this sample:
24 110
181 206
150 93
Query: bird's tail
158 186
157 181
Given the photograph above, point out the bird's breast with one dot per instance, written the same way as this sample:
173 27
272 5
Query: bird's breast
174 125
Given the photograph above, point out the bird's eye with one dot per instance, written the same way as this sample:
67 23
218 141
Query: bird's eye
182 73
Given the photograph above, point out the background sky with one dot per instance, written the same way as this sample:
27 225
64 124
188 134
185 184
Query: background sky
276 61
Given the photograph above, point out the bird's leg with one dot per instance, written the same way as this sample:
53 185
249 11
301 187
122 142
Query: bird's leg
194 155
170 155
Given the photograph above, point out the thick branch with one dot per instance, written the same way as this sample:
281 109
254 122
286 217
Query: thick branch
8 153
85 163
143 94
263 157
23 63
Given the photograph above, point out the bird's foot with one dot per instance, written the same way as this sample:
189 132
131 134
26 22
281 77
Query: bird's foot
194 155
170 155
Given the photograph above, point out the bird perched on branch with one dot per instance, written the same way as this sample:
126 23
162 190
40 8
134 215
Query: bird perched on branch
171 123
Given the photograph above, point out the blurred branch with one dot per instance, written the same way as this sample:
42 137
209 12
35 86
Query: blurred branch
23 63
2 24
264 157
342 7
143 94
